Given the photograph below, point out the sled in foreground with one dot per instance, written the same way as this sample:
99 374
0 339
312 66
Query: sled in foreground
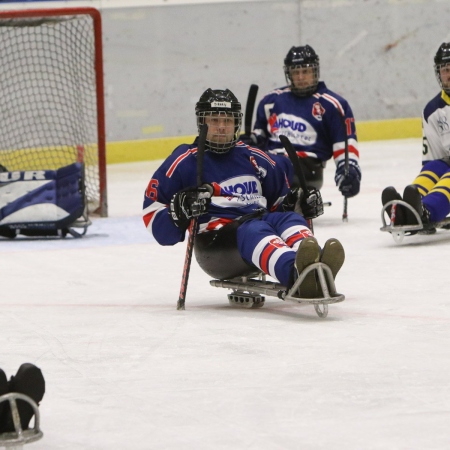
16 439
219 258
400 231
247 291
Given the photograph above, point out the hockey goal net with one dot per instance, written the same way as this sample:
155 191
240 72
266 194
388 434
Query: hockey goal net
51 94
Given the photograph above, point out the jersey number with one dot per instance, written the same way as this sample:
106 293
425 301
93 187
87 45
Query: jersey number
425 146
348 124
151 191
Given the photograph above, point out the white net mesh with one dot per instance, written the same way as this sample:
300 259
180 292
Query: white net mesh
48 102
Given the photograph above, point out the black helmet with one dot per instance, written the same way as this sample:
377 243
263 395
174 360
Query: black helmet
219 103
301 57
441 59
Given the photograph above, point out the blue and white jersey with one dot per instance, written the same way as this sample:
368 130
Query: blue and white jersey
316 125
436 128
245 179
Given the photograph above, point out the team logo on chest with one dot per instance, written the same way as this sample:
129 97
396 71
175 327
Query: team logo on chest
299 130
273 123
287 122
318 111
241 185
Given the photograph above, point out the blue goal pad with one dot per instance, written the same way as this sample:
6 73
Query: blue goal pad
43 202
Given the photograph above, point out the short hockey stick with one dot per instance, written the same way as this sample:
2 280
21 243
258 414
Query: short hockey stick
193 227
251 100
297 169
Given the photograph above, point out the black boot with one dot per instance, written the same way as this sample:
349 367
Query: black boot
30 382
412 196
388 195
3 391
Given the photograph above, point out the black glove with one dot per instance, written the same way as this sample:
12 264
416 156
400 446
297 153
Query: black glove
291 199
189 203
309 205
348 184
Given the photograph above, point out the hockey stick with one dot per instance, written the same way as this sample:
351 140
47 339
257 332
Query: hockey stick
297 169
251 99
194 221
346 168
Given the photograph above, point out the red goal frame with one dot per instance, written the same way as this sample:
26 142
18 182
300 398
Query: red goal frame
98 63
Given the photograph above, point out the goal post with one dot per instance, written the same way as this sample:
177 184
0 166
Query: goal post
52 96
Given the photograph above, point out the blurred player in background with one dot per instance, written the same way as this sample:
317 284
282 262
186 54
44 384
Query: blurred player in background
429 194
318 122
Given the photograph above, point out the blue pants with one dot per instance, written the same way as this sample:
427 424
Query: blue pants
433 183
271 241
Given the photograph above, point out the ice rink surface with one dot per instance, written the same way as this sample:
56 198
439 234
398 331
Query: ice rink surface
124 369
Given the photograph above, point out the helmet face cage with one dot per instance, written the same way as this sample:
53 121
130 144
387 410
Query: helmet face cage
303 91
300 58
214 108
222 142
442 59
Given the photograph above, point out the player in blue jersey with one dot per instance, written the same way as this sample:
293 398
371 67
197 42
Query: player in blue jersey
429 194
28 381
318 122
244 190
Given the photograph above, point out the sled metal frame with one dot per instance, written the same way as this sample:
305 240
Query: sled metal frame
16 440
250 286
82 222
400 231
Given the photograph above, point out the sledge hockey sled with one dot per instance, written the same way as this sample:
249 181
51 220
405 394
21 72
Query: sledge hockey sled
400 231
217 255
16 439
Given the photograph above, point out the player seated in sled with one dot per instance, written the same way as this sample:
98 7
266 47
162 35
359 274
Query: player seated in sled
425 204
245 193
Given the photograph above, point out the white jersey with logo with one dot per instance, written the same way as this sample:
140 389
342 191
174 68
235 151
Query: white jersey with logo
436 128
